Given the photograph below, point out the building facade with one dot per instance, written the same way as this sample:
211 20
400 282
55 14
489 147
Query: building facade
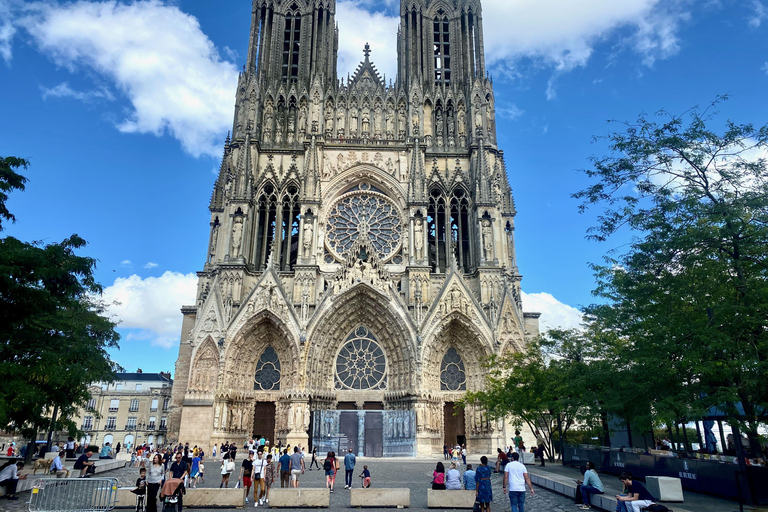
361 260
131 410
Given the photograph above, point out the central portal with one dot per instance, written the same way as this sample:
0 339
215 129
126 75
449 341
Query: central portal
454 425
264 421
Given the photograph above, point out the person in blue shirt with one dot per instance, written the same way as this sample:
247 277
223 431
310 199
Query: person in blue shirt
106 452
469 479
195 472
590 485
366 476
285 469
349 466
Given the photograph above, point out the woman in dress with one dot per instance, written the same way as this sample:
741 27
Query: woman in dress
484 492
438 477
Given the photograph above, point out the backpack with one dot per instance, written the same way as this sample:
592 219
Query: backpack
327 466
655 507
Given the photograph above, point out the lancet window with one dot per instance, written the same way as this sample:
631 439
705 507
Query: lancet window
266 221
267 376
453 377
449 230
291 42
290 228
442 50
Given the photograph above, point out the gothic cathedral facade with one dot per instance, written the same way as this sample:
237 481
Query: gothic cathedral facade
361 260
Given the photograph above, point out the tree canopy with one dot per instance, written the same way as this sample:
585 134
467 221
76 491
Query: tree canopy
54 330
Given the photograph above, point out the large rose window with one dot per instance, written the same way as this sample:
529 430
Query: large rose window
364 213
361 363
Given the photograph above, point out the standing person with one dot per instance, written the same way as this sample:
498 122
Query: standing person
297 467
469 479
71 448
464 454
517 440
515 479
284 465
117 448
349 467
154 479
453 478
438 477
195 471
540 447
246 475
366 476
227 467
637 495
259 468
329 466
445 452
314 459
9 478
213 453
179 469
590 485
269 476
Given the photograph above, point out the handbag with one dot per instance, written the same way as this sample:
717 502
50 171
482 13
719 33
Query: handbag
230 466
476 507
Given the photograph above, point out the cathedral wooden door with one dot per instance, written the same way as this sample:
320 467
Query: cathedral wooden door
264 421
454 425
374 434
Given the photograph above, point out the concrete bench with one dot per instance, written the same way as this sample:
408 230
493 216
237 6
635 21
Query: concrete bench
301 497
665 488
393 497
203 498
450 499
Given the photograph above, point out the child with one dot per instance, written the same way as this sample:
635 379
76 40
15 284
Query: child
200 475
141 489
366 476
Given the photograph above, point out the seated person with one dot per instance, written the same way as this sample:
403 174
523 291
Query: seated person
85 466
57 467
453 478
469 479
9 478
590 485
106 452
366 476
637 495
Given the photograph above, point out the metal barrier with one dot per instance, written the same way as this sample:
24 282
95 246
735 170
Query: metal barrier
74 495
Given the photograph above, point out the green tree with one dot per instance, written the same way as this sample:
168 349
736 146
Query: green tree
689 299
54 329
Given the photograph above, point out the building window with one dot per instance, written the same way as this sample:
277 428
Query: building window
134 405
87 423
151 424
166 403
119 387
111 423
114 405
361 363
131 425
291 43
163 423
452 375
138 387
153 406
91 404
267 371
442 49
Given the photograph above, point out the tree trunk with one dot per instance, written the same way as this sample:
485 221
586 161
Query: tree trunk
606 428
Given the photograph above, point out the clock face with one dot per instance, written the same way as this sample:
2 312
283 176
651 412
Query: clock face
364 213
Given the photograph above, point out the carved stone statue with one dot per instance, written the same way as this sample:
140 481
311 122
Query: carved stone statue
329 121
461 121
487 240
307 242
340 120
418 239
390 123
214 240
237 236
478 116
366 120
303 119
353 123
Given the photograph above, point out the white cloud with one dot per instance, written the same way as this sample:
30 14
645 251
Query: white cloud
358 26
63 90
760 13
149 307
151 264
126 263
510 111
554 314
155 54
765 68
7 31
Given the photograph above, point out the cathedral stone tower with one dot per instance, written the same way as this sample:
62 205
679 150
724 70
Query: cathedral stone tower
361 259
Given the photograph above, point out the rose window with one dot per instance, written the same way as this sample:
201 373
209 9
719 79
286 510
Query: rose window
267 376
364 213
452 375
361 363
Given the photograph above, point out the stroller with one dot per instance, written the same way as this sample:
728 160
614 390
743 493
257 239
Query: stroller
171 493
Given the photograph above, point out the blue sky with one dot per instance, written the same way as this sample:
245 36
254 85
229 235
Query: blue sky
122 108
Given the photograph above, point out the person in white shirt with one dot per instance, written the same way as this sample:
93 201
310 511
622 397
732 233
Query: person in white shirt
259 474
9 478
515 479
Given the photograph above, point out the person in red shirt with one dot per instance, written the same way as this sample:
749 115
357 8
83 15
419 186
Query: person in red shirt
501 461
